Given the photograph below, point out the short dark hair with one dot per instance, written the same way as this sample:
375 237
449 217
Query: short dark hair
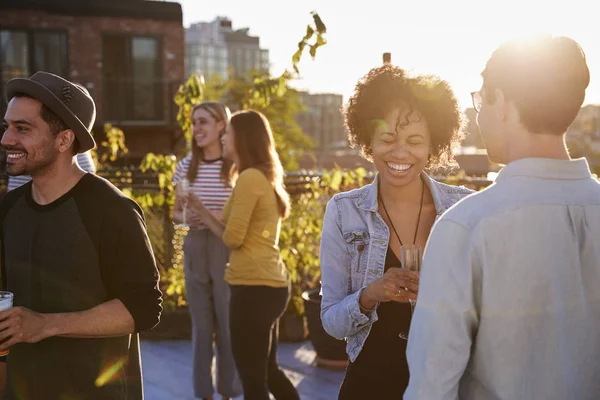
54 122
388 87
544 76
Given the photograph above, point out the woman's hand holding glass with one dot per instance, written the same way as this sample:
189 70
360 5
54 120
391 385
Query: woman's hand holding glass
397 284
193 219
195 203
197 209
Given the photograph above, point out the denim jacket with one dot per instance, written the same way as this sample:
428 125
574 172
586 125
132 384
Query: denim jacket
354 244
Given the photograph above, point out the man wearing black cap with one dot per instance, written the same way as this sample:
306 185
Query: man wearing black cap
75 253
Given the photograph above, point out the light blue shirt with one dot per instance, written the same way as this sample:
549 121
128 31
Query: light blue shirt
354 244
509 298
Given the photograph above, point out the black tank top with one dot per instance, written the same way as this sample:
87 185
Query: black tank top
381 368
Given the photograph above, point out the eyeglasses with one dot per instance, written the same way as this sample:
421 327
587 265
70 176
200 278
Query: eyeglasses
477 100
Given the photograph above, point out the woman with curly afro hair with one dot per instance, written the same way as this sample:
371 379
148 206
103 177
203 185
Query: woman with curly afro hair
405 125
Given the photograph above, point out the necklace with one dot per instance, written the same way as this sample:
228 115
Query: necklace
418 217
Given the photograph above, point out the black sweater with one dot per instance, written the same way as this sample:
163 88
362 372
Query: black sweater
87 247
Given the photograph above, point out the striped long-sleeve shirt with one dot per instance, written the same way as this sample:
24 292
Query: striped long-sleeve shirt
213 190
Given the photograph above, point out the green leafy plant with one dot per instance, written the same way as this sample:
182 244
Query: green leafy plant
111 148
166 239
188 95
317 31
301 232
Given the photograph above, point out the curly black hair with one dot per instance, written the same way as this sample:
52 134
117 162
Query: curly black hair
388 87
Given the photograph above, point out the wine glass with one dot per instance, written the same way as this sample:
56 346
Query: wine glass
410 258
183 189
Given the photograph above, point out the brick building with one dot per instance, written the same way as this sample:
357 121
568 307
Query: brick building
128 53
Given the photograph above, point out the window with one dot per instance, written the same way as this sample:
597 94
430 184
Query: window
14 49
239 60
132 84
50 52
144 69
254 60
24 52
211 64
264 60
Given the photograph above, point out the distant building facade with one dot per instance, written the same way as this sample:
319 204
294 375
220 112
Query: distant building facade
473 137
583 139
216 48
322 120
583 136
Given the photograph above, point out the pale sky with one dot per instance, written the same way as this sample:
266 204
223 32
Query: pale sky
450 38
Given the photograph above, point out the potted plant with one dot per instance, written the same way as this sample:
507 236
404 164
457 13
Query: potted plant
292 325
331 352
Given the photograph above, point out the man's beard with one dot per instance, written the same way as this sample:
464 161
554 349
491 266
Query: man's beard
32 168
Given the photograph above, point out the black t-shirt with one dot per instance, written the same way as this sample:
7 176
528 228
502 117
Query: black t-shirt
87 247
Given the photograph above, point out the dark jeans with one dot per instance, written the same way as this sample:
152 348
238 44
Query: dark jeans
254 315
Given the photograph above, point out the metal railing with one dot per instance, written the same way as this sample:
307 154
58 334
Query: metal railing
135 179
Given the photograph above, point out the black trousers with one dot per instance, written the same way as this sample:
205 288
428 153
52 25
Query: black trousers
254 315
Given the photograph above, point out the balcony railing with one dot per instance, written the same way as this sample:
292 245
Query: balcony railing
295 182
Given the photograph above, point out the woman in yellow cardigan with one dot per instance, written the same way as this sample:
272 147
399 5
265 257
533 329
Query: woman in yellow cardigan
256 273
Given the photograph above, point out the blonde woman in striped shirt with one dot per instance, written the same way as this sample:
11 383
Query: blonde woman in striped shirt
205 254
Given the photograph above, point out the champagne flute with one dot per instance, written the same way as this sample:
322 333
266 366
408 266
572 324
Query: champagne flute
410 258
183 189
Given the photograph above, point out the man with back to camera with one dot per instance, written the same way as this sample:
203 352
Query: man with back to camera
75 253
509 306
